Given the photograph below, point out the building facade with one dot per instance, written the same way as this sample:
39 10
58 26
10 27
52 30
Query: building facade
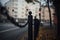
45 13
20 8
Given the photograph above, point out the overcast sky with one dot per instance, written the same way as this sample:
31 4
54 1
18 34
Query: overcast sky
3 1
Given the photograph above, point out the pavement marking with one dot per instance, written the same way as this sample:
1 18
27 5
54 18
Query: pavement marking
8 30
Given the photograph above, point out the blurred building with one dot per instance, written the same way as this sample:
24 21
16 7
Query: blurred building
45 13
19 8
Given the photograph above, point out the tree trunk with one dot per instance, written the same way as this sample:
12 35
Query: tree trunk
49 13
56 3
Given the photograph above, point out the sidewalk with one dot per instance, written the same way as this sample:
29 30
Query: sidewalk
46 33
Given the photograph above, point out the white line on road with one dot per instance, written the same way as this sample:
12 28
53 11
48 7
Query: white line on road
8 30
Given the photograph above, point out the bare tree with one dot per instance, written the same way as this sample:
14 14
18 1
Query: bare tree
49 13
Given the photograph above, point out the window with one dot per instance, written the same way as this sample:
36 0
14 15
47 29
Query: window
22 8
15 15
12 10
15 11
22 16
15 7
16 4
23 12
14 0
26 14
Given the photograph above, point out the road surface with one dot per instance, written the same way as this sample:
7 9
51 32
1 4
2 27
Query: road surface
9 31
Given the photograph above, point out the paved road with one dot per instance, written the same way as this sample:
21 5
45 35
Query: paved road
9 31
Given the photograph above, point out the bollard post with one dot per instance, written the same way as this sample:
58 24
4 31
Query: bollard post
30 27
36 27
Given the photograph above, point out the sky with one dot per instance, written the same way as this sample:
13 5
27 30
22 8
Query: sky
3 1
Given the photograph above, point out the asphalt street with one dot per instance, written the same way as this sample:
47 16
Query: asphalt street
9 31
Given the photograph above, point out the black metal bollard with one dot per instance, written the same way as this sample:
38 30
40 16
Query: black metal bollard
36 27
30 22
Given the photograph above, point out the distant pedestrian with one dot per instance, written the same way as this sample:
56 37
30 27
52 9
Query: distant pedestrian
36 27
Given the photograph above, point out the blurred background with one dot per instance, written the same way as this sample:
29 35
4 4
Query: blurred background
18 9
